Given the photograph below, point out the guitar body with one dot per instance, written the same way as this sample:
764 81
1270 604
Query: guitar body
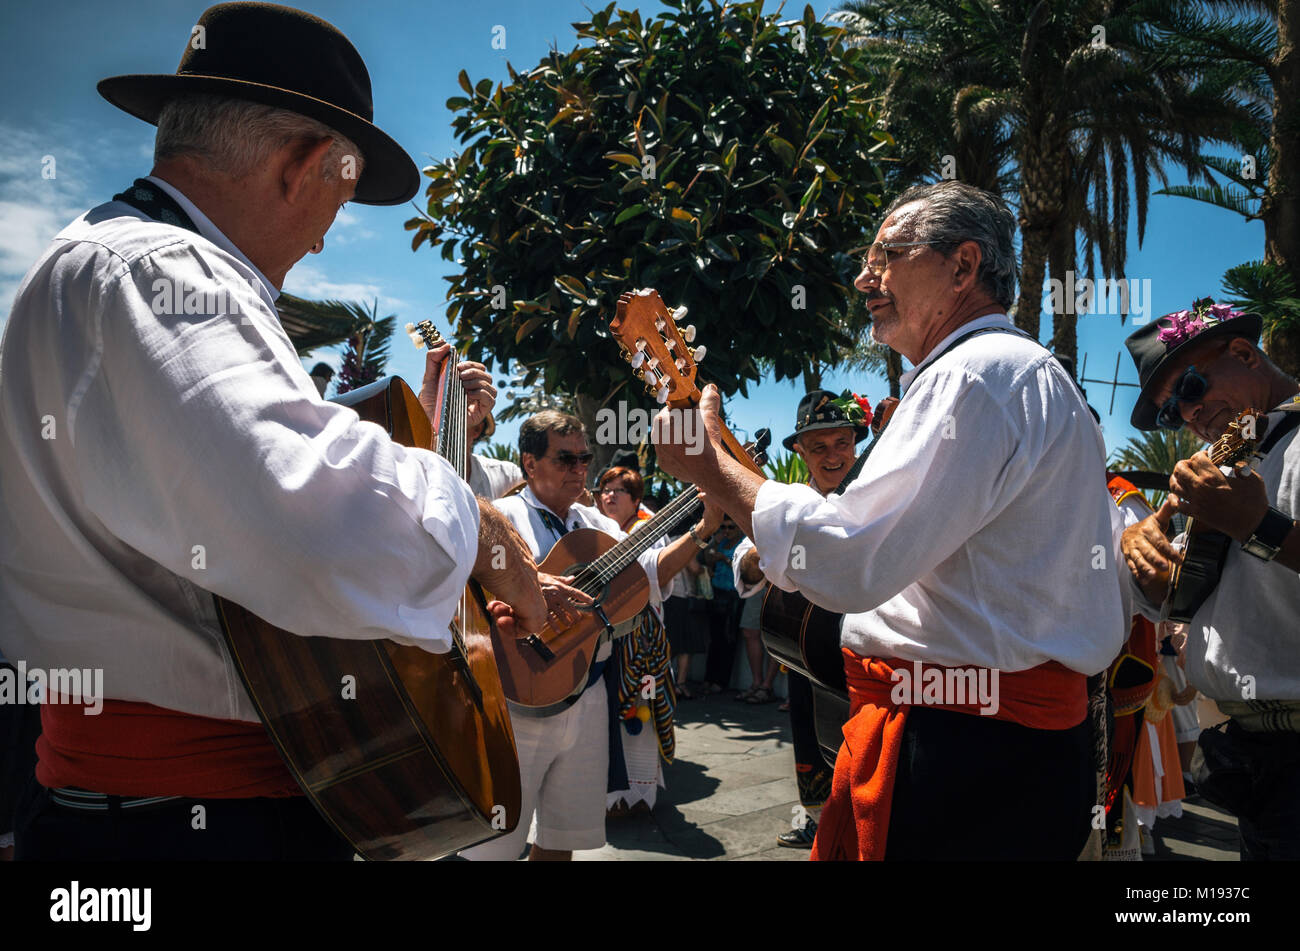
1192 581
422 762
806 638
530 678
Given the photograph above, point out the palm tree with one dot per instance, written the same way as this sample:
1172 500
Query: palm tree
1156 451
366 354
1264 182
1064 99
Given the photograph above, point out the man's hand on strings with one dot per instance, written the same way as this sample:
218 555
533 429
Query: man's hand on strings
562 599
480 394
1149 554
1234 506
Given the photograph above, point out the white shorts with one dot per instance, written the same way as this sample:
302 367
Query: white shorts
563 772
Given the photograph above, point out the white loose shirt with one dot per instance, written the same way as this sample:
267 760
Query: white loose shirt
1249 626
149 457
979 531
492 478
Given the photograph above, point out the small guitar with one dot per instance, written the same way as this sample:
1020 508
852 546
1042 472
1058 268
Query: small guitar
541 669
419 759
1193 579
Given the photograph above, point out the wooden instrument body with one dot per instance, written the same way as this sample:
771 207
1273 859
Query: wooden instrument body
1193 577
533 680
806 638
422 761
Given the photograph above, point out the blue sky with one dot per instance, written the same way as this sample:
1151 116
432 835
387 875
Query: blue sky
53 52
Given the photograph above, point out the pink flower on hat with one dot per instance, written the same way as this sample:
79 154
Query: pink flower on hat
1183 325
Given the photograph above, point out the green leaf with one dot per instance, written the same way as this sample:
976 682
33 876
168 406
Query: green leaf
627 213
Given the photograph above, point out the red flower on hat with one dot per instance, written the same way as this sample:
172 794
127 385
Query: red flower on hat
856 409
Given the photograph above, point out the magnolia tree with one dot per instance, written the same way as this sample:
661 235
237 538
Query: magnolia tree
718 154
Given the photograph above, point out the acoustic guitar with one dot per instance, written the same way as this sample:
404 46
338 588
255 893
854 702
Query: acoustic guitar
406 753
1195 577
538 670
542 669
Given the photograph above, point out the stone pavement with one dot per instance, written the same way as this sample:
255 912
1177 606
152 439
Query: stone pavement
731 791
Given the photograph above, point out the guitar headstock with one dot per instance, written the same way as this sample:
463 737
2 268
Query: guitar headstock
424 334
1238 441
648 334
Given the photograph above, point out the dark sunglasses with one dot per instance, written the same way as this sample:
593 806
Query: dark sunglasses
1190 387
568 460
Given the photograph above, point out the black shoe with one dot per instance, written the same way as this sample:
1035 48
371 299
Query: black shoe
799 838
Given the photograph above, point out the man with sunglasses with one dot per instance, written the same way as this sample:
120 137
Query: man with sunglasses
564 749
1203 369
949 557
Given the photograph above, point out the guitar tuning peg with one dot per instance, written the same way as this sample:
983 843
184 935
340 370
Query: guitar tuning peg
679 314
662 394
417 340
698 353
638 358
660 325
680 363
410 327
688 333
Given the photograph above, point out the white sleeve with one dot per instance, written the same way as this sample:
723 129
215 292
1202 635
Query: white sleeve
852 552
201 442
743 588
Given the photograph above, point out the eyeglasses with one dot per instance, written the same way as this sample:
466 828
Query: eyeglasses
877 256
1190 387
613 491
569 460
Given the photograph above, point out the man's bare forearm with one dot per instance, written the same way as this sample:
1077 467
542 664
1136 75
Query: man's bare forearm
734 488
504 562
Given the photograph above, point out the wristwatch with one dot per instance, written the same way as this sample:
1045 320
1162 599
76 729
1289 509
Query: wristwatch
1266 541
696 538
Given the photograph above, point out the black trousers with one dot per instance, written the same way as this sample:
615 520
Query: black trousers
246 830
812 773
978 789
724 621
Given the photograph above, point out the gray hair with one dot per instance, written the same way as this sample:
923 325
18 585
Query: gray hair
953 212
534 434
234 136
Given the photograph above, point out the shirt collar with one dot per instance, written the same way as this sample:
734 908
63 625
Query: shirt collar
212 232
527 495
979 323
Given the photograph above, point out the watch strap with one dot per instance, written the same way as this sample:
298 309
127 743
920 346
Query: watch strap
1268 537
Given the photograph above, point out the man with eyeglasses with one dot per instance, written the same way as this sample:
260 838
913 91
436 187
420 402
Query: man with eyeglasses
564 749
1203 369
950 558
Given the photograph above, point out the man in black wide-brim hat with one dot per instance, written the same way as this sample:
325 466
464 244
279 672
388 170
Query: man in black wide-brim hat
166 443
1203 368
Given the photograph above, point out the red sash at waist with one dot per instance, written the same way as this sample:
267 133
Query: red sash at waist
855 819
137 749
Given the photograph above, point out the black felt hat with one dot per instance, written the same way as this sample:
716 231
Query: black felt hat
817 410
281 57
1154 346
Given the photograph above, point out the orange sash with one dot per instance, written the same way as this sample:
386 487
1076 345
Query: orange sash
855 819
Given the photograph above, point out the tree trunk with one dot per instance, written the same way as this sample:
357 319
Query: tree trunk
585 409
1065 322
1281 211
1033 270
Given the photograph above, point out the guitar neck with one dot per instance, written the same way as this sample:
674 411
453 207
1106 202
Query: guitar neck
618 558
738 452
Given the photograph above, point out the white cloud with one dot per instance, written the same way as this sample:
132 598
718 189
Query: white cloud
43 186
310 281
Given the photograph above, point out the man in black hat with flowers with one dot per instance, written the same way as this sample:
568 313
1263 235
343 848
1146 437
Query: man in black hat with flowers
1203 368
162 442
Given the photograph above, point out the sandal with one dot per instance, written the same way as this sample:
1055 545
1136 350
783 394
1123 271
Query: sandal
761 695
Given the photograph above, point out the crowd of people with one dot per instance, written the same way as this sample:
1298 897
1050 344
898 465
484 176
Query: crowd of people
1003 599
